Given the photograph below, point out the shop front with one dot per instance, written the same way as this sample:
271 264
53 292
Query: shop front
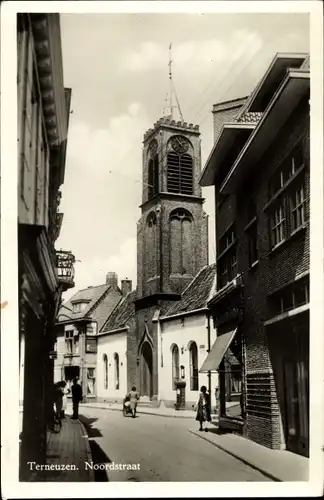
227 355
291 370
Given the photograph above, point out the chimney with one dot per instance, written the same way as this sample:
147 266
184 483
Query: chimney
126 286
112 280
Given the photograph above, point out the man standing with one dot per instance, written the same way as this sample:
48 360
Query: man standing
76 397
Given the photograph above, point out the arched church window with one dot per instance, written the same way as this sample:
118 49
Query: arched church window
180 167
181 246
105 361
150 246
151 219
193 360
175 365
153 169
116 362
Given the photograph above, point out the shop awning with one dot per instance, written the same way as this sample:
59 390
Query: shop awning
217 352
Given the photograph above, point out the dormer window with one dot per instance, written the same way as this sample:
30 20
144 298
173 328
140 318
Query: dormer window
79 307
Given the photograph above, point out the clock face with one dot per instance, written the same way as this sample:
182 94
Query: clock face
180 144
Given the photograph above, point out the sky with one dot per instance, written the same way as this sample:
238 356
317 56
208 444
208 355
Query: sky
117 67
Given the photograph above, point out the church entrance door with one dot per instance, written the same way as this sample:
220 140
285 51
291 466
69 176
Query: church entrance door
146 367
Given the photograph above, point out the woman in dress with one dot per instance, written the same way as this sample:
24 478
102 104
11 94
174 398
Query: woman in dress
203 408
66 391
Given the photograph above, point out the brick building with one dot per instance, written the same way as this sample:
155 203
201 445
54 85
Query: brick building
260 168
78 323
43 118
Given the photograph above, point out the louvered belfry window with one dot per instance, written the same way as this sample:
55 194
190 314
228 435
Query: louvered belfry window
153 176
180 175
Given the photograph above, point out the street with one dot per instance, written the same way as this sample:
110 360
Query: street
163 446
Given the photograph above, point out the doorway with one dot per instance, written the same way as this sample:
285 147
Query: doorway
146 367
296 382
70 373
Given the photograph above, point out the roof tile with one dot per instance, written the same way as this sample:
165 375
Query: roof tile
123 313
196 295
91 295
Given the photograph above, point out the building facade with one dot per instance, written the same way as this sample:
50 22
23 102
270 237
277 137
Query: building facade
43 117
260 168
78 323
184 336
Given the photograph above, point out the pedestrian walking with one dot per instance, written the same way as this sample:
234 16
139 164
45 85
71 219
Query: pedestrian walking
76 398
216 400
133 398
203 408
58 401
66 391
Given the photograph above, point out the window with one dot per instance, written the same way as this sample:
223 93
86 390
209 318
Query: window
116 362
298 206
150 254
287 170
79 307
277 223
227 239
227 267
91 381
71 342
91 329
175 365
193 358
180 173
290 297
153 176
105 361
181 246
91 345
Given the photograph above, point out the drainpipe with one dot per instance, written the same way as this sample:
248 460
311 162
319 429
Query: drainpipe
208 350
159 209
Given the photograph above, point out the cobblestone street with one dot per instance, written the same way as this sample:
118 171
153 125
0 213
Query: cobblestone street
164 448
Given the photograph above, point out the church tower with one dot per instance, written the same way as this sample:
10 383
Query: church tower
172 232
172 237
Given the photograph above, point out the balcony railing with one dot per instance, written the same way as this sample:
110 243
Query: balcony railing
65 269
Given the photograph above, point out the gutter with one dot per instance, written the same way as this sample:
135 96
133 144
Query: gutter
116 330
184 313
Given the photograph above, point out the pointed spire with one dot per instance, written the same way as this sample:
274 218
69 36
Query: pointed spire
172 92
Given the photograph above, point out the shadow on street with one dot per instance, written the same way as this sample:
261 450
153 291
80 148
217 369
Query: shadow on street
98 455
